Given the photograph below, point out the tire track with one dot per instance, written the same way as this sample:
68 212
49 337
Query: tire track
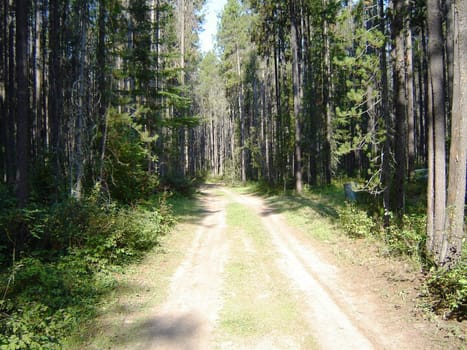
335 327
186 319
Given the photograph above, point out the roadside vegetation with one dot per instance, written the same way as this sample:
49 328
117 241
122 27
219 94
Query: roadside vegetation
75 250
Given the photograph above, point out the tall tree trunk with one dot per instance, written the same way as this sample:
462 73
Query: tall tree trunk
328 96
430 205
78 161
400 106
3 94
451 248
183 162
296 82
55 101
22 105
449 47
241 114
10 140
410 92
101 84
278 126
22 115
386 156
436 114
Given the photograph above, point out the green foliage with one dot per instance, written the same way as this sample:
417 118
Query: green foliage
181 185
355 221
357 126
68 264
406 238
45 302
32 327
448 290
128 156
233 39
121 234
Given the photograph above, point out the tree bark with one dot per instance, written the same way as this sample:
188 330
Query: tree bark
4 112
436 114
55 84
410 92
451 248
400 108
78 161
241 114
297 100
386 155
22 104
449 48
328 96
102 86
11 91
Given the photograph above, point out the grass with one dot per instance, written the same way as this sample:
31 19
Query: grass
259 308
315 212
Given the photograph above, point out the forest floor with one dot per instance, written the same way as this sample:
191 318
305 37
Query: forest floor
237 274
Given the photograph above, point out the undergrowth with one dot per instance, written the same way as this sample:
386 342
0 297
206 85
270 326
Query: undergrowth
445 290
68 263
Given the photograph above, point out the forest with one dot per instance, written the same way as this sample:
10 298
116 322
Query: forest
109 107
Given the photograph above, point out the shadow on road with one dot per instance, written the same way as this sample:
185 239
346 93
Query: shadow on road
162 332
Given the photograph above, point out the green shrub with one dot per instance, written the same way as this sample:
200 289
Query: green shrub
355 222
33 326
448 290
122 234
407 237
67 264
126 162
44 302
181 185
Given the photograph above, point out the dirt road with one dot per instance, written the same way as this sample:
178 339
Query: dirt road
248 281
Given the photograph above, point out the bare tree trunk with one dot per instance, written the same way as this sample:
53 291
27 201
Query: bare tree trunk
328 101
55 84
410 92
11 104
430 206
3 81
183 134
266 115
102 86
297 101
37 141
399 109
22 105
449 47
9 95
242 118
22 115
78 161
279 143
451 248
386 155
436 114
